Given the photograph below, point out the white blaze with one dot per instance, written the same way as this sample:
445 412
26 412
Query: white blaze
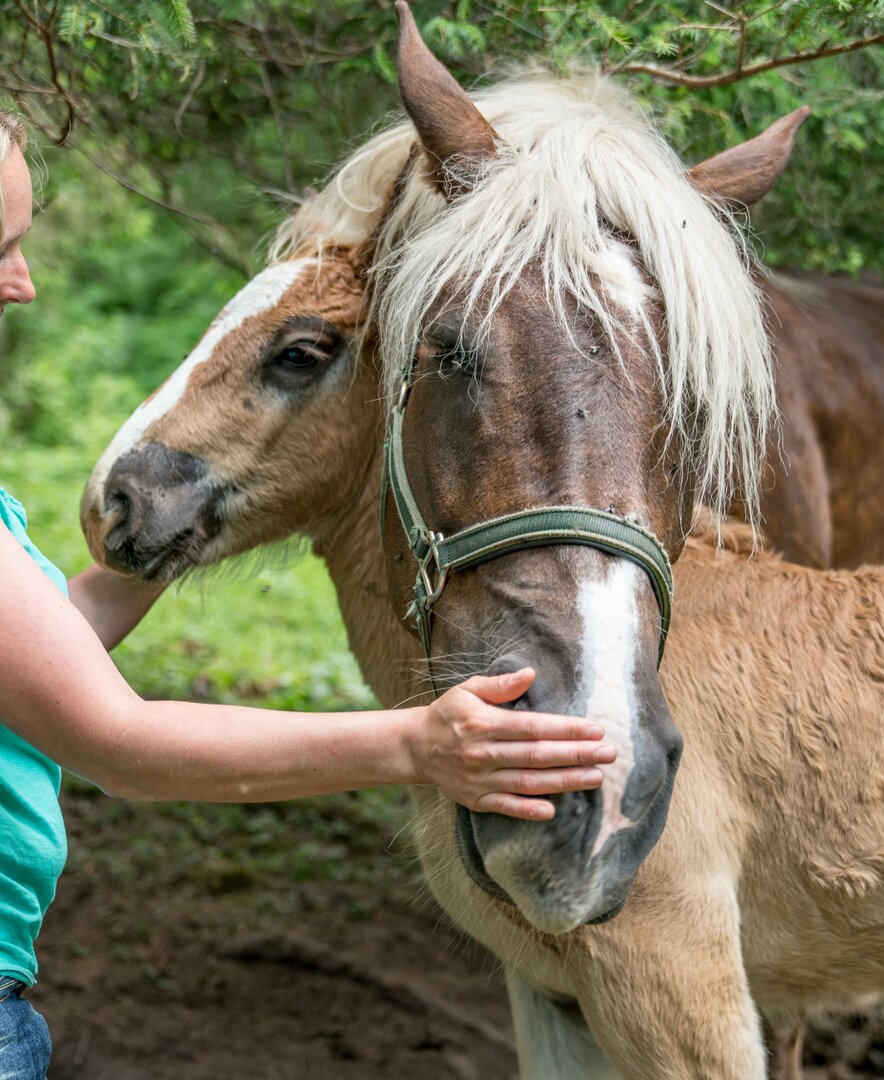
262 293
610 624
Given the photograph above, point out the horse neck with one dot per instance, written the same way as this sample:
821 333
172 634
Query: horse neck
353 553
827 335
819 505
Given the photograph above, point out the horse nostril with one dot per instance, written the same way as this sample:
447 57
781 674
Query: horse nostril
117 502
121 515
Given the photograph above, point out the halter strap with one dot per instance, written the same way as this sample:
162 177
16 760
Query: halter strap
438 555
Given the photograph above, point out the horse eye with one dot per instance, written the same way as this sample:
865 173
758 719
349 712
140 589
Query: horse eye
296 358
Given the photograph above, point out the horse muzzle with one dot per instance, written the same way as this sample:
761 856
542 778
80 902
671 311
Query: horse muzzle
578 867
160 511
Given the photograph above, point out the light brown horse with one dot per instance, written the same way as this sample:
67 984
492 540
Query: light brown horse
352 565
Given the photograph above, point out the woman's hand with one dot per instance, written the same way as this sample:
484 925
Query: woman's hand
498 760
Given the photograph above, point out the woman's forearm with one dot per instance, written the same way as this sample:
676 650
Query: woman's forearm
228 753
111 603
61 692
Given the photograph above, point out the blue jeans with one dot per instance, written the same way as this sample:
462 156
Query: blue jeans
25 1045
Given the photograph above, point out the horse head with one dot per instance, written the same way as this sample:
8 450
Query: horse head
252 438
564 322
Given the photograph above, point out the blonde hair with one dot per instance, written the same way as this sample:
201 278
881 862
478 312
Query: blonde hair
12 133
350 207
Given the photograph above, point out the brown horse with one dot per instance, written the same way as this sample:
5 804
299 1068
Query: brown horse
821 502
337 507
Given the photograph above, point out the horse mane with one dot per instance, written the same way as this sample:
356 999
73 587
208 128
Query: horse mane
580 167
349 208
708 529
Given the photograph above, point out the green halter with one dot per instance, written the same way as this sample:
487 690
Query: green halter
438 555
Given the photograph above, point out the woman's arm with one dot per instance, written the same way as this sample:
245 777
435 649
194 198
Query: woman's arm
61 692
111 603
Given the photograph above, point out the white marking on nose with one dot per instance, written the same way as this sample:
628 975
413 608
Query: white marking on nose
262 293
610 623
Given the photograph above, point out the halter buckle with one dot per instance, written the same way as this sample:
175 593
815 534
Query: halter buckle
404 391
431 591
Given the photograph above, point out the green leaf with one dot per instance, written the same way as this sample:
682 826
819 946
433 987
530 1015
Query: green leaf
384 64
183 20
72 23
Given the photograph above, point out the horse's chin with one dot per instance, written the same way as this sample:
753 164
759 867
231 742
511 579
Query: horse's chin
161 567
547 913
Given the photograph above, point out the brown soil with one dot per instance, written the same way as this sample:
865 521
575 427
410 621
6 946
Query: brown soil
153 969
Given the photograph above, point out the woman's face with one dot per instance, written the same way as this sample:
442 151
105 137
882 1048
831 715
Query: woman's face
16 286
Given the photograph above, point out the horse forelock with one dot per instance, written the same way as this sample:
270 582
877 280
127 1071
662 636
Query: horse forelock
578 172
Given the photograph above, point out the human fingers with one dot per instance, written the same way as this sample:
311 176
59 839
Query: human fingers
498 689
508 725
545 781
501 802
549 754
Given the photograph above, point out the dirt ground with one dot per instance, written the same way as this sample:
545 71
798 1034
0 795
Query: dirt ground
173 954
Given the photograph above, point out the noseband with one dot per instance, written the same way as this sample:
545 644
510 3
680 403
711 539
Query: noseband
437 555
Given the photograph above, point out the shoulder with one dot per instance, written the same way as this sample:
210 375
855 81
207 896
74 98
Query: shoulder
12 513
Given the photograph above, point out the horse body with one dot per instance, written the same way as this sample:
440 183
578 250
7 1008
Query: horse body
767 886
821 500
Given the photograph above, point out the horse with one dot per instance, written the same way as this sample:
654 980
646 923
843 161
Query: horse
821 500
352 564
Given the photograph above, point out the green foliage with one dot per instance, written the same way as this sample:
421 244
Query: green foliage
209 105
115 312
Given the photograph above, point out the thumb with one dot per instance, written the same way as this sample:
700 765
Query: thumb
498 689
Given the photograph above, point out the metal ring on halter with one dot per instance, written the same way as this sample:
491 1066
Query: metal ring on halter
432 592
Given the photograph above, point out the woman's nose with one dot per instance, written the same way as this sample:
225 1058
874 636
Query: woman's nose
16 286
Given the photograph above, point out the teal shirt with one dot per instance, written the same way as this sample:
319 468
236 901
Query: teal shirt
33 847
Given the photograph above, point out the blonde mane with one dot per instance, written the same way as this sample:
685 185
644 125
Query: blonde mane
349 208
580 168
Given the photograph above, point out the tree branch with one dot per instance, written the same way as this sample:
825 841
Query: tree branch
705 82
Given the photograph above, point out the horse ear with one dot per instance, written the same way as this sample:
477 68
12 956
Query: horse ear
451 128
746 173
